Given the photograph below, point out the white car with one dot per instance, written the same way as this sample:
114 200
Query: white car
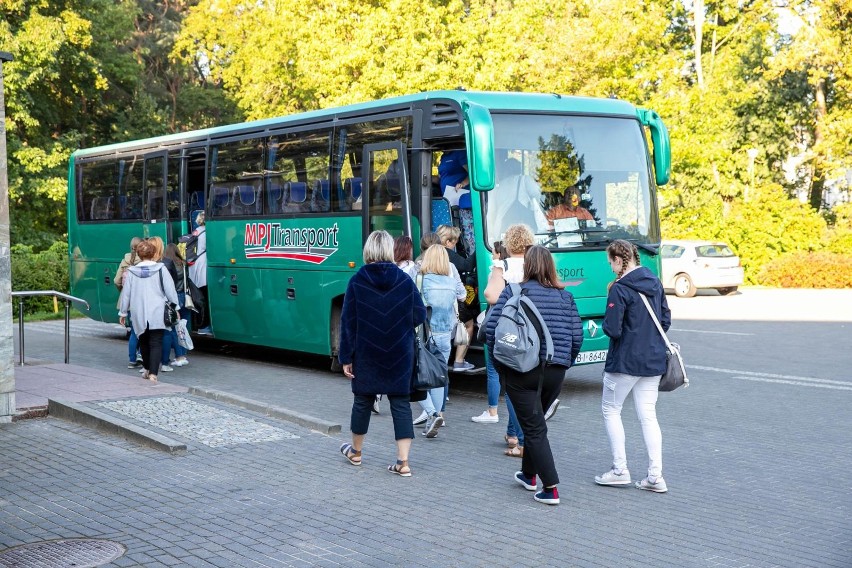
690 265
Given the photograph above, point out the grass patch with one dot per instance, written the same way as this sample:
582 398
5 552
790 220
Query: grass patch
47 316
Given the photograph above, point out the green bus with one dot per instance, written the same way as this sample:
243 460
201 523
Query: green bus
289 201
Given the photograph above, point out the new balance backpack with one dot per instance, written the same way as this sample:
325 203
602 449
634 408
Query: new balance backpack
519 333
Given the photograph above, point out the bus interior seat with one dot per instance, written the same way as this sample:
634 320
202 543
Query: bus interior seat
196 200
466 225
320 196
464 201
441 214
351 193
193 215
221 198
101 208
275 198
244 200
130 207
297 193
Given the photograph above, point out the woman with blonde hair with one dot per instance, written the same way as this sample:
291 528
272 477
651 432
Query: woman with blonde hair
381 308
440 292
469 307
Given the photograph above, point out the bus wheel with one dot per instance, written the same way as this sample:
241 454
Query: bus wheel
683 286
336 367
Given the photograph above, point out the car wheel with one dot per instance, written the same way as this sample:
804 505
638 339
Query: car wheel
683 286
730 290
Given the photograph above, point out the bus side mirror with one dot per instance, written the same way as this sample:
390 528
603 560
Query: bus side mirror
479 129
661 142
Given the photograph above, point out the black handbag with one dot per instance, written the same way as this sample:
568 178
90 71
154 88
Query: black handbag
170 313
675 375
430 370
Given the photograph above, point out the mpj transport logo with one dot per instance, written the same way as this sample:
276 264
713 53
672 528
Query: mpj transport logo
305 244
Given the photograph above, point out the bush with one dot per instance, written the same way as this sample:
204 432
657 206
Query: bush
45 270
809 270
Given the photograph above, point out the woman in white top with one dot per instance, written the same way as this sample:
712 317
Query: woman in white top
517 239
198 273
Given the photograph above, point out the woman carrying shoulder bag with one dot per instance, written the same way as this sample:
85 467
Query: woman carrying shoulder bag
145 292
440 292
381 308
635 362
534 391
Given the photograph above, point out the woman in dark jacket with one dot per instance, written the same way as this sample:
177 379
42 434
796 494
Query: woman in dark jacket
381 308
635 361
559 312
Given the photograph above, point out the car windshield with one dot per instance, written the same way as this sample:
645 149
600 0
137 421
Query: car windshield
578 181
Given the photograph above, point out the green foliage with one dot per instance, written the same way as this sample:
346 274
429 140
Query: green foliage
89 72
809 270
34 271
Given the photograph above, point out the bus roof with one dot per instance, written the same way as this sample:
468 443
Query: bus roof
490 100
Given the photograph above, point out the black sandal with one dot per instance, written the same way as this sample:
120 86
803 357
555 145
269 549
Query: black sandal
400 467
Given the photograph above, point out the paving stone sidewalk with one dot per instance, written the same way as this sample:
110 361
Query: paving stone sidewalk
740 458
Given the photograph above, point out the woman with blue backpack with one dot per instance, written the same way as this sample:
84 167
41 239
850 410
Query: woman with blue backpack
558 332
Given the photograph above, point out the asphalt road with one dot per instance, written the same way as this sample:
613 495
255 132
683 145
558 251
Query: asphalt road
757 452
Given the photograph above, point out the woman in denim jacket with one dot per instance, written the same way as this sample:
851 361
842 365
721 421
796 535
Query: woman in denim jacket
440 292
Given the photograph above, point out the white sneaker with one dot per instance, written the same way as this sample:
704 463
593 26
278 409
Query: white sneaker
179 363
657 486
551 410
486 418
421 419
142 370
432 426
614 478
166 368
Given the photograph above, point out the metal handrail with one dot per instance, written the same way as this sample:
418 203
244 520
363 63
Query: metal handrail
68 299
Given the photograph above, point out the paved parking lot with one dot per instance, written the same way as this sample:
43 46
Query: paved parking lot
757 458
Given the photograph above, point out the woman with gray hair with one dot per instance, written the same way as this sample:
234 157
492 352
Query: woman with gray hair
380 311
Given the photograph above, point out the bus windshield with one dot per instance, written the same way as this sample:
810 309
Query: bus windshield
577 181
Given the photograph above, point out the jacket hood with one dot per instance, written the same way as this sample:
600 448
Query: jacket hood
382 275
642 280
146 270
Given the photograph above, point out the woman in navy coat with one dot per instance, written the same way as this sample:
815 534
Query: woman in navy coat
380 311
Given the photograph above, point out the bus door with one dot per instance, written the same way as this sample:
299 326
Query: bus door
386 192
155 196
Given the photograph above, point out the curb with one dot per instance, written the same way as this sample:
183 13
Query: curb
305 420
84 416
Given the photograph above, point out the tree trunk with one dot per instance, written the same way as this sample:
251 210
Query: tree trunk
818 180
698 19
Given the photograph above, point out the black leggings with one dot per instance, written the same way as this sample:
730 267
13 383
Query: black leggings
521 388
151 346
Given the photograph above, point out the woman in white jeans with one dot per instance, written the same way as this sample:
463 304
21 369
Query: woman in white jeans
635 362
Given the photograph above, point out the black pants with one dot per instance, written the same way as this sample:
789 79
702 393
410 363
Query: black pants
521 388
151 346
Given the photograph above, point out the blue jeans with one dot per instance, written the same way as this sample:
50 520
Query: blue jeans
513 429
493 384
436 398
132 342
362 410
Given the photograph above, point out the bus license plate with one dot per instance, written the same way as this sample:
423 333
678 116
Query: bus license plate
591 357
